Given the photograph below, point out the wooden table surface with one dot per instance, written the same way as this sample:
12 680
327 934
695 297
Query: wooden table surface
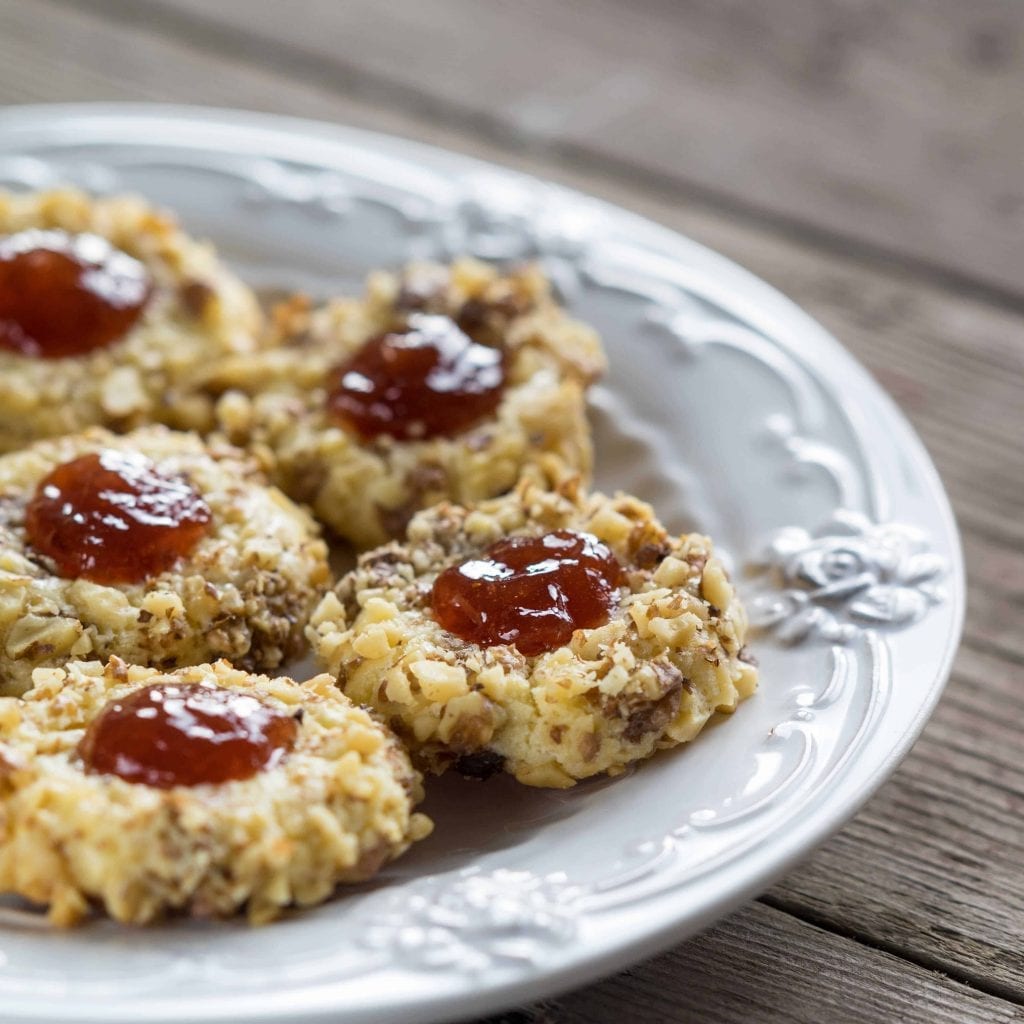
865 156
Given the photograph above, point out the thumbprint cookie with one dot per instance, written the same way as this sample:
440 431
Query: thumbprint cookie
440 383
554 635
205 791
108 311
151 546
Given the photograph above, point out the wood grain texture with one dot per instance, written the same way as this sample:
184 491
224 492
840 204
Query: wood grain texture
763 967
930 873
896 124
932 866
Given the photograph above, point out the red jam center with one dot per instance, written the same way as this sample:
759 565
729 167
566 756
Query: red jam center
113 517
186 735
429 380
65 295
529 591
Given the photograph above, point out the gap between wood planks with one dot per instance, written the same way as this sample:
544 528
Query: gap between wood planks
202 30
969 979
768 956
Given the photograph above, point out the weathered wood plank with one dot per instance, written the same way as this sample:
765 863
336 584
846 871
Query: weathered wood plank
53 53
899 125
762 966
931 867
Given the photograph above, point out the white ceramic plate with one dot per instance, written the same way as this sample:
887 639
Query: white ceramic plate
726 407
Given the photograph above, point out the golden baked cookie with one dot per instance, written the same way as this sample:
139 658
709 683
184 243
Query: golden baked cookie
335 398
668 655
313 793
94 561
108 311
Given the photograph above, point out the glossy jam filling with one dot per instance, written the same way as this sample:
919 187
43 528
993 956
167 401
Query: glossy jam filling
113 517
66 295
186 735
429 380
532 592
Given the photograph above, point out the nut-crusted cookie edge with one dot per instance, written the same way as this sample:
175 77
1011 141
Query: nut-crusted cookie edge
668 659
334 810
